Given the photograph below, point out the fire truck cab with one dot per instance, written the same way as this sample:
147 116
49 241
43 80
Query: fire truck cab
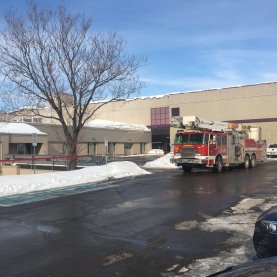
203 143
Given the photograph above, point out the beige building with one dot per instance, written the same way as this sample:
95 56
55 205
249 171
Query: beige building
17 139
50 140
253 105
114 141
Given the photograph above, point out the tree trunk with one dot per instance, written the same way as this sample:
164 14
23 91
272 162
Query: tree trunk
71 151
72 164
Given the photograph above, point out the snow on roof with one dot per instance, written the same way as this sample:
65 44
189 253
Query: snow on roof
106 124
18 128
167 94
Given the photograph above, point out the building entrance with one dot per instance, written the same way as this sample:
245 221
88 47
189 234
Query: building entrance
161 139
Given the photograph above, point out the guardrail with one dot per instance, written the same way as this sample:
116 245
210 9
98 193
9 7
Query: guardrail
53 160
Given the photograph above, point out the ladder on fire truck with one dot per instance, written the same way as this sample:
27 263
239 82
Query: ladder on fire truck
198 123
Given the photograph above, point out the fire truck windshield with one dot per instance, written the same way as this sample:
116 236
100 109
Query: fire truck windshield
195 138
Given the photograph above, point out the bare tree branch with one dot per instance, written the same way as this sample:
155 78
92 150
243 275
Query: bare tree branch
50 57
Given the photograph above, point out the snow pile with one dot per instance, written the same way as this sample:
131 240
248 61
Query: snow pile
11 185
156 152
162 162
106 124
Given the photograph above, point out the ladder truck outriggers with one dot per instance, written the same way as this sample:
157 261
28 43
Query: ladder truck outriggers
204 143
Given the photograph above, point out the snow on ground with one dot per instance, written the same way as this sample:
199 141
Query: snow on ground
18 184
162 162
239 222
156 152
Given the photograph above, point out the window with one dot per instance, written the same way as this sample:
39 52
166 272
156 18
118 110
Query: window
92 148
37 120
175 112
25 119
160 116
142 148
21 148
191 138
111 148
218 139
128 149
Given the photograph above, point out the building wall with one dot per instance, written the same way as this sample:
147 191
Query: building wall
248 102
253 104
9 143
56 139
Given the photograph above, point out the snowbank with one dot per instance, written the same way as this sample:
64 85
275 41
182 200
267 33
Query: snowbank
162 162
11 185
156 152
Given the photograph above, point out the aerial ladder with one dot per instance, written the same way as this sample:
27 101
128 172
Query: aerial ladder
198 123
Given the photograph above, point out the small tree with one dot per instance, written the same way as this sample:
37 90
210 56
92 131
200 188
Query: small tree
52 57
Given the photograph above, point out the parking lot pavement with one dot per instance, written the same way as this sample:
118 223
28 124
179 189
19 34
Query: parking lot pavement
164 224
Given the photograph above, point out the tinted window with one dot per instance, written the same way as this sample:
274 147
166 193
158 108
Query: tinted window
175 111
191 138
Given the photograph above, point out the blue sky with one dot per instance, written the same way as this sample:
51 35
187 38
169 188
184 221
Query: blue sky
190 44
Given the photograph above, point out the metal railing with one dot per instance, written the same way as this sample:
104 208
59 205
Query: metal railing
52 160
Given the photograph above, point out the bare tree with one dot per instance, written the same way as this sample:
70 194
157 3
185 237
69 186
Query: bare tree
52 57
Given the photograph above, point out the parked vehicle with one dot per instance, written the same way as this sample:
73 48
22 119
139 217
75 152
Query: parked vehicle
265 234
215 144
271 150
257 268
265 244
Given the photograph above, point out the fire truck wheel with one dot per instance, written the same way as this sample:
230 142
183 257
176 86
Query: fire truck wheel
253 161
186 168
218 166
246 162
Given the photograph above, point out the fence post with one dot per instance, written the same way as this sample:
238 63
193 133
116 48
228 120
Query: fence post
34 163
53 163
17 170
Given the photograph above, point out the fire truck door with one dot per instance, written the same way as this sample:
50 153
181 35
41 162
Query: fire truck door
235 154
212 145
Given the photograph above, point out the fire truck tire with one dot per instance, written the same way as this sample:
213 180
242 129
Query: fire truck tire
253 161
187 169
218 166
246 163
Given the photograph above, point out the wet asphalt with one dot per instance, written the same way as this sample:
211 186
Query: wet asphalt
128 228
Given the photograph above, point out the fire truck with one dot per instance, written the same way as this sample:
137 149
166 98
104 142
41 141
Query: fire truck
204 143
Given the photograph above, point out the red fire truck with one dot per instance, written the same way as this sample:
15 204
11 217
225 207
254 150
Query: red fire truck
204 143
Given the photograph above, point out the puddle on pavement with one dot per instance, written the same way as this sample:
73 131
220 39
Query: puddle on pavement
36 196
